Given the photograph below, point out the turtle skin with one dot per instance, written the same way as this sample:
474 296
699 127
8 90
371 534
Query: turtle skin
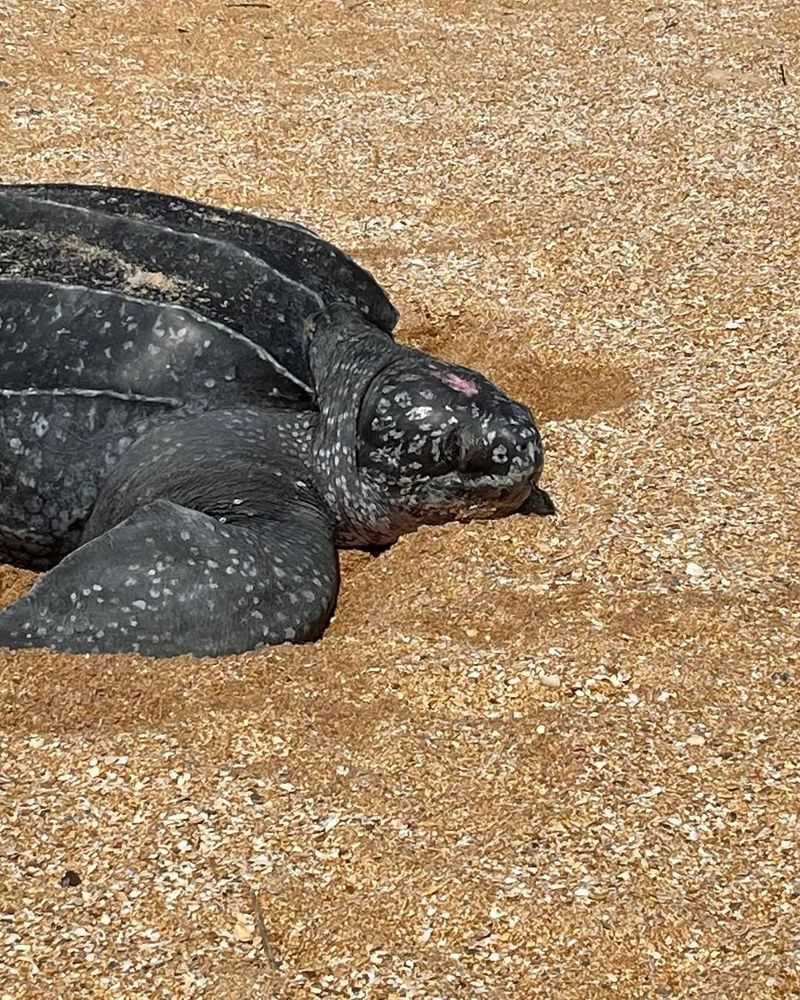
199 408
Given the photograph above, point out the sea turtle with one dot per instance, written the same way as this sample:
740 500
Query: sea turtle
198 407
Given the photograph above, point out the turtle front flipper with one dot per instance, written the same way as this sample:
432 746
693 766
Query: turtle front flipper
170 579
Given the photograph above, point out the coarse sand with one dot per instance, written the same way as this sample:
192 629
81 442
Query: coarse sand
535 758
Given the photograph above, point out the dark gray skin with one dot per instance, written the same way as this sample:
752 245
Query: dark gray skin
188 487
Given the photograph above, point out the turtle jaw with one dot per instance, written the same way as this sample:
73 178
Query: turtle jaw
464 498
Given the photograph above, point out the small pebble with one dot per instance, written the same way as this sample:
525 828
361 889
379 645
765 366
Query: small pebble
70 879
694 570
243 930
550 680
696 741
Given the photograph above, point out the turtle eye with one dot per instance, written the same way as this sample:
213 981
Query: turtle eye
450 448
476 456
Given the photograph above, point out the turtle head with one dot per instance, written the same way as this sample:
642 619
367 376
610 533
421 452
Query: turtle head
444 443
431 442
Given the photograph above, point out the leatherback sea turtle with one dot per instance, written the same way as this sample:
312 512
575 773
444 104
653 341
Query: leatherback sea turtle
198 407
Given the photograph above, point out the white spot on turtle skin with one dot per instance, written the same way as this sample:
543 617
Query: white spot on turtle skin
40 425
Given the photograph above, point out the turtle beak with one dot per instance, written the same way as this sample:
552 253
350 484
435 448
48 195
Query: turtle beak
538 502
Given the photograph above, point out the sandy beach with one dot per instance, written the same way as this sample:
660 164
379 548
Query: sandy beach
532 758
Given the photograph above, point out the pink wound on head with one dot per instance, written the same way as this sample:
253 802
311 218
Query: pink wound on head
458 382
